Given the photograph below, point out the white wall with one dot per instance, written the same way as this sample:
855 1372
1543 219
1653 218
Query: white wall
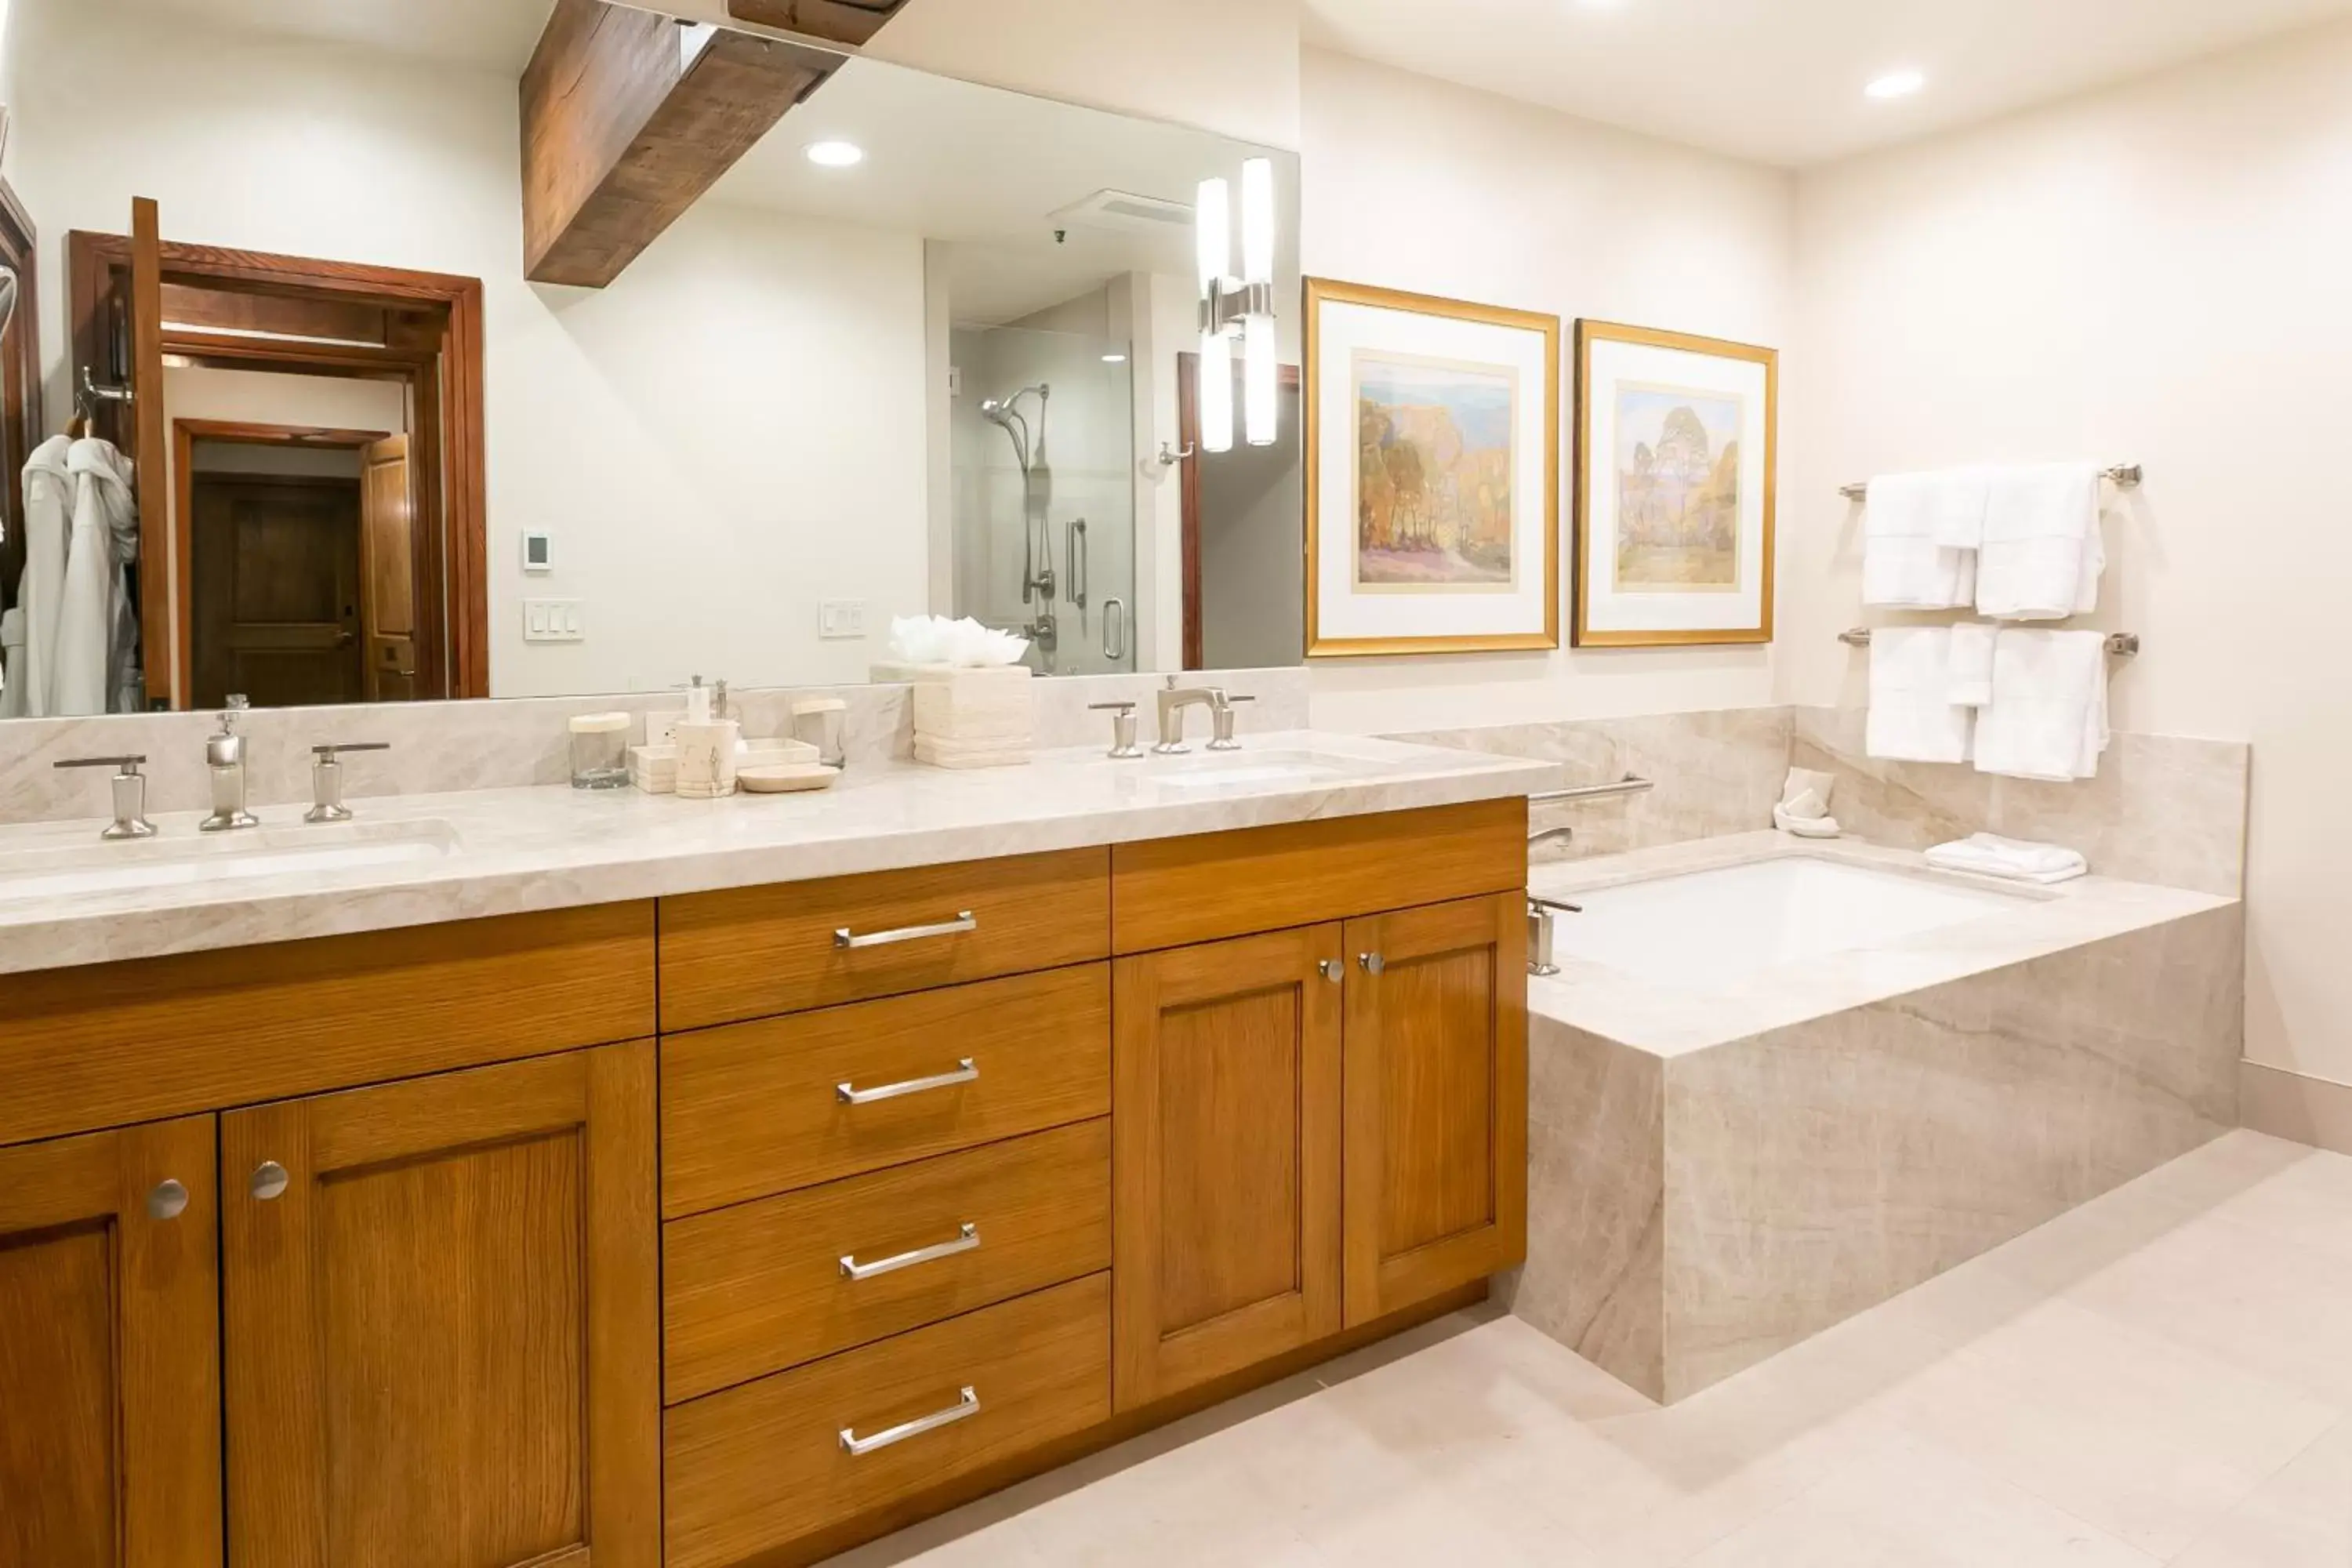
2156 275
1419 184
733 432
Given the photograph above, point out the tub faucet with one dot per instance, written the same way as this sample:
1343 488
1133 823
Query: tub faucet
225 755
1550 835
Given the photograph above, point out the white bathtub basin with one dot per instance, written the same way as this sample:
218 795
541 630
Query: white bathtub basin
59 872
1706 930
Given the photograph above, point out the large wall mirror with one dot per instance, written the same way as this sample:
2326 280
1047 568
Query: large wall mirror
395 350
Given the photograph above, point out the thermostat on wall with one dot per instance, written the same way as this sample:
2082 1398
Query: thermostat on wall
538 553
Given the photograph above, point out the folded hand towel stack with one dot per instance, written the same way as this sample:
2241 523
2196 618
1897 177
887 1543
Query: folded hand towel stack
1906 560
1912 715
1988 855
2048 718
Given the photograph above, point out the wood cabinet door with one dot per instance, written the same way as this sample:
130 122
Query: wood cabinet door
443 1320
1437 1100
109 1351
1224 1157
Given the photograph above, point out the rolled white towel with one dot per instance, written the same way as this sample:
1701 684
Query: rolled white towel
2018 860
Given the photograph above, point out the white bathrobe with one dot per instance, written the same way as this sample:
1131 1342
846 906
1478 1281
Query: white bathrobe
48 525
96 639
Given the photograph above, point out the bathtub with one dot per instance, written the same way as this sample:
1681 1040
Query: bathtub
1706 930
1773 1084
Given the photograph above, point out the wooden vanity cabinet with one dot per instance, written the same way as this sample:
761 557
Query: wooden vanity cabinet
109 1351
1225 1155
442 1320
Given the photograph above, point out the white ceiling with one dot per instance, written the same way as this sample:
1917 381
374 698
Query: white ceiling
495 34
1779 82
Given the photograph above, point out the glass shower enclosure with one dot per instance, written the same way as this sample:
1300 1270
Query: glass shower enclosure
1042 453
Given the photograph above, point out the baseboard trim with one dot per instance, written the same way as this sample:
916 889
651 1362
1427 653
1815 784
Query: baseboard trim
2313 1111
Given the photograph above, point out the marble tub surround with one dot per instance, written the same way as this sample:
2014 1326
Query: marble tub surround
1716 1178
1715 773
502 743
510 851
2164 808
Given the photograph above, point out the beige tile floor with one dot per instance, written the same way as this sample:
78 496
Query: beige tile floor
2163 1376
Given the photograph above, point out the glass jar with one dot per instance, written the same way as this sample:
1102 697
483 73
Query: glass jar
600 750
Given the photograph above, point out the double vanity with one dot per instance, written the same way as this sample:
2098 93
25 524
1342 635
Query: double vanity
521 1177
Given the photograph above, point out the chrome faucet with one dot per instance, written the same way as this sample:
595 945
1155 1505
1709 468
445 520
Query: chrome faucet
1550 835
1173 700
1541 913
130 795
326 776
225 755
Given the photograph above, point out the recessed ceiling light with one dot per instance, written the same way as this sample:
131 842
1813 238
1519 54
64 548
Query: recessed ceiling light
1896 84
836 154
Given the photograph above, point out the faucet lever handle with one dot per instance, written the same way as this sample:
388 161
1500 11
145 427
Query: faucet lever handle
1122 728
329 752
130 766
130 794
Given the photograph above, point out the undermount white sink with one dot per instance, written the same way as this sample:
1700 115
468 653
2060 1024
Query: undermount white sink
1246 769
190 859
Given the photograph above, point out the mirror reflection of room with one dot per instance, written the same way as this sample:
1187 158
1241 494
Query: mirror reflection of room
434 402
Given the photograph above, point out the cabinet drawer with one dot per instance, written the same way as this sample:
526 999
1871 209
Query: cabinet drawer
752 952
759 1467
755 1108
761 1287
1170 892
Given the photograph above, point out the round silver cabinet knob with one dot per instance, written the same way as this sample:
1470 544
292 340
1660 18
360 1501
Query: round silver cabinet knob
268 1180
1333 970
168 1200
1372 962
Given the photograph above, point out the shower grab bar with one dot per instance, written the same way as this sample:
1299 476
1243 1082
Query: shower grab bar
2124 475
1629 784
1114 647
1074 559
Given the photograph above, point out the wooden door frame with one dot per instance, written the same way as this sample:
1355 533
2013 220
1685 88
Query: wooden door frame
1188 441
186 434
443 366
20 381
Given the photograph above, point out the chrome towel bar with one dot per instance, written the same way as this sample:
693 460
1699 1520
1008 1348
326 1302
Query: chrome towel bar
2124 475
1629 784
2123 644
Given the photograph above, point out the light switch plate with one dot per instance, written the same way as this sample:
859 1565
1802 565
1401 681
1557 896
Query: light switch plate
841 618
553 620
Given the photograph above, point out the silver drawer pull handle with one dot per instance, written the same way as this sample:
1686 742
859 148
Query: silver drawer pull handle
965 920
966 1239
967 1405
849 1094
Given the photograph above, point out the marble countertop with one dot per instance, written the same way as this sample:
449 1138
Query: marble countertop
421 859
1667 1021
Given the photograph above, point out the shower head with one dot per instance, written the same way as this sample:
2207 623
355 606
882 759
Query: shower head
1000 412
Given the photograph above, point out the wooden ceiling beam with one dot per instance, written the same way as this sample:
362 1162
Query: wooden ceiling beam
623 129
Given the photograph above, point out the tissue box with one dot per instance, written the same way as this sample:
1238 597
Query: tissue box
972 711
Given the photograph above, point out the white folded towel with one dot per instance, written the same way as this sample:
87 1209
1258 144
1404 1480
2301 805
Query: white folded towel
1904 565
1990 854
1912 715
2048 718
2041 554
1972 647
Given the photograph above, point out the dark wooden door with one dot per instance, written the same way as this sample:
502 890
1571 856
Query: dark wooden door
276 596
388 570
1226 1157
109 1351
1437 1100
442 1335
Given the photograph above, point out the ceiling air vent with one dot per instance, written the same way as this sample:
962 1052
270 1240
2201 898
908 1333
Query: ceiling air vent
1125 211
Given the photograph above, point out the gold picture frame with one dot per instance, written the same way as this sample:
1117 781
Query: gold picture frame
1587 334
1323 291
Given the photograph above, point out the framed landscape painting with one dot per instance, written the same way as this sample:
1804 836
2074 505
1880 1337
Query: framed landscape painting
1432 463
1675 465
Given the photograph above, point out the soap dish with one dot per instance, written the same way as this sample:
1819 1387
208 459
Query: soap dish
784 778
